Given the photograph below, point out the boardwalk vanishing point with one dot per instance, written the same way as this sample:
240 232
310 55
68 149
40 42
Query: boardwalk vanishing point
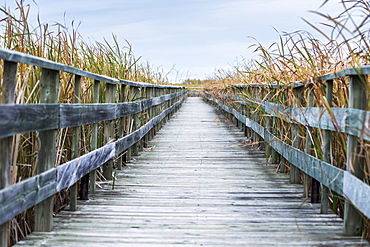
198 185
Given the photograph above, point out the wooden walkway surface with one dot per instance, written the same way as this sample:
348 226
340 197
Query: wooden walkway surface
197 186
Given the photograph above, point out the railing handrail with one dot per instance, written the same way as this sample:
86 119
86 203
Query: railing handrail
353 121
19 57
22 118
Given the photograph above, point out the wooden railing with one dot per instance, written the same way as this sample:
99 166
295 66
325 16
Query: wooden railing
194 91
250 107
158 102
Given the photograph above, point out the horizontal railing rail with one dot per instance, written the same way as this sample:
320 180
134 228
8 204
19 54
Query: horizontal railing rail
257 113
150 105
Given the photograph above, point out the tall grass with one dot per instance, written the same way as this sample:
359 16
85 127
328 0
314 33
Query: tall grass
64 45
339 42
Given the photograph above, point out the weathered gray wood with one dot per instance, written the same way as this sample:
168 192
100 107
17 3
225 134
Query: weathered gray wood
189 191
326 149
121 126
109 133
355 153
356 191
94 135
76 114
135 94
295 177
70 172
21 196
8 93
19 57
308 148
346 120
46 156
76 132
16 119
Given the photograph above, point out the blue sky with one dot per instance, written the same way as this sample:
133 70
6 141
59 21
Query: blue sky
186 38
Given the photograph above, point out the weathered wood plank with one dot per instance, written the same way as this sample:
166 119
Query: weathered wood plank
23 195
72 115
70 172
346 120
19 57
16 119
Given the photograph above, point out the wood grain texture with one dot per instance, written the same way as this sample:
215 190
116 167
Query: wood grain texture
70 172
8 86
198 185
46 156
23 195
19 57
17 119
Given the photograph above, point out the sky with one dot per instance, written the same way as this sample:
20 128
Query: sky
184 38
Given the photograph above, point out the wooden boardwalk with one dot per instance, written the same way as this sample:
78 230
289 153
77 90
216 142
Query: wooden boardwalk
198 185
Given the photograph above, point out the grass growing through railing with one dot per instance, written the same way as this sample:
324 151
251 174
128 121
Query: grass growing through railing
58 43
343 43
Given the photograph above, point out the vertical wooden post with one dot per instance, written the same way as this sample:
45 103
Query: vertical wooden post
268 148
141 119
274 154
76 131
151 112
308 147
355 154
315 185
47 154
8 92
255 116
121 127
296 139
94 135
326 149
129 120
84 190
135 122
147 118
109 134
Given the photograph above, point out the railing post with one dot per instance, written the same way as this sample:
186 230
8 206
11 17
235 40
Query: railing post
268 149
84 190
94 135
355 154
8 92
150 112
326 149
308 146
141 119
147 118
129 122
135 94
109 133
76 131
296 139
121 127
47 154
